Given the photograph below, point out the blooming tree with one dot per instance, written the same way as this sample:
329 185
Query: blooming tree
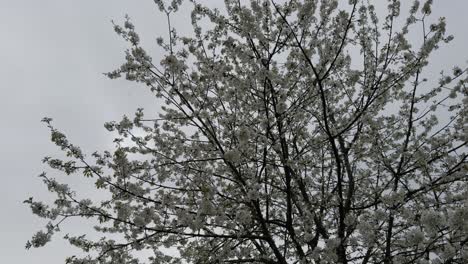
290 132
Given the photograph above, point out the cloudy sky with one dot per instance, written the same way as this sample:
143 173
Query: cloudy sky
52 56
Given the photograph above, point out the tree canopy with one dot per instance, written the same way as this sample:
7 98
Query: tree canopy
298 131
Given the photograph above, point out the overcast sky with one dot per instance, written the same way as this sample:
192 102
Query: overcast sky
52 56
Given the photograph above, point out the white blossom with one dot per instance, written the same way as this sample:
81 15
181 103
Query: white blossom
286 132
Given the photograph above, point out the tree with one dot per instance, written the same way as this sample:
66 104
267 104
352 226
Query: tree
298 132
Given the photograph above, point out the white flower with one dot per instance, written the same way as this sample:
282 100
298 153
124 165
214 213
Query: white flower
244 135
431 220
159 40
350 219
40 239
254 192
415 237
232 155
243 216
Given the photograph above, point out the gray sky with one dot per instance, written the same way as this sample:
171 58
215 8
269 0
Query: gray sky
52 56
